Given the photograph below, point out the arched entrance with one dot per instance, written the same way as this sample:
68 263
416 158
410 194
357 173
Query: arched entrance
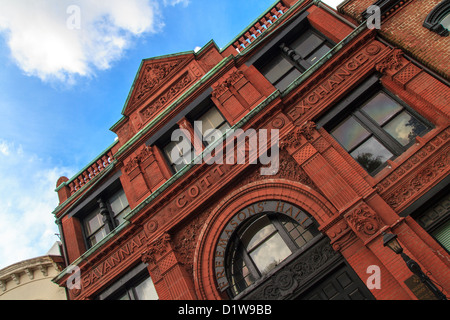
264 242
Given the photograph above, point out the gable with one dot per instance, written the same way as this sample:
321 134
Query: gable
152 75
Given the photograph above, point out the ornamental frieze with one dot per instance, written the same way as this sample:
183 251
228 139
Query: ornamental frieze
153 75
422 168
431 172
167 96
296 274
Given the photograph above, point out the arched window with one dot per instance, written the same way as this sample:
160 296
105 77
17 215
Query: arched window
259 245
438 20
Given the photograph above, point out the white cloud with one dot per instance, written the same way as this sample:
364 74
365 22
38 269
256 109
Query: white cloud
27 198
333 3
63 39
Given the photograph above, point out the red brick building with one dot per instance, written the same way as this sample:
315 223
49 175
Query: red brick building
362 117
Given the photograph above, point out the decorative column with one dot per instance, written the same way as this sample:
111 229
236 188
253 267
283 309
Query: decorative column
194 137
169 276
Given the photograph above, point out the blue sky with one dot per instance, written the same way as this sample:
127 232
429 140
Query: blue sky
62 89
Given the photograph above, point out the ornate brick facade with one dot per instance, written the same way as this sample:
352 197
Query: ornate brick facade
177 220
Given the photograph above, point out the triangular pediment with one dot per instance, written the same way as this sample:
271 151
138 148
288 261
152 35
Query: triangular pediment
152 75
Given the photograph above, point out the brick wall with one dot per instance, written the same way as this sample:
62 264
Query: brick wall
404 29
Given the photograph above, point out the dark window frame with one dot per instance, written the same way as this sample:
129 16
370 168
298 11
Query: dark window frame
353 104
279 44
434 18
101 202
199 112
164 141
193 113
126 284
294 56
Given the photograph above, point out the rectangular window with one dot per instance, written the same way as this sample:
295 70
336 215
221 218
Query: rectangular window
179 153
379 129
136 284
95 227
119 206
105 217
210 120
142 290
291 58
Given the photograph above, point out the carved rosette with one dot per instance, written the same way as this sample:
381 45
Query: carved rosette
364 221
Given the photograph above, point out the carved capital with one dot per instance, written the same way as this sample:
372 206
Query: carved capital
307 130
292 140
392 61
156 249
131 165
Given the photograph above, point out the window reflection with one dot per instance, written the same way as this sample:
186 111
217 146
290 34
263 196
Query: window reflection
378 131
371 154
381 108
264 243
404 128
270 253
446 22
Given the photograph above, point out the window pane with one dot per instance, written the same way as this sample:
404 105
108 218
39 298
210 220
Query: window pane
381 108
276 68
242 277
284 82
182 152
118 202
269 254
119 218
371 154
146 290
210 120
446 22
319 53
306 43
97 236
124 297
94 222
257 232
404 128
350 133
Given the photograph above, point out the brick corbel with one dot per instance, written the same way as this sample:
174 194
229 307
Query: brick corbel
169 276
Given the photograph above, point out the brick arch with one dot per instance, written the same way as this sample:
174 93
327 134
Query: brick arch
273 189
